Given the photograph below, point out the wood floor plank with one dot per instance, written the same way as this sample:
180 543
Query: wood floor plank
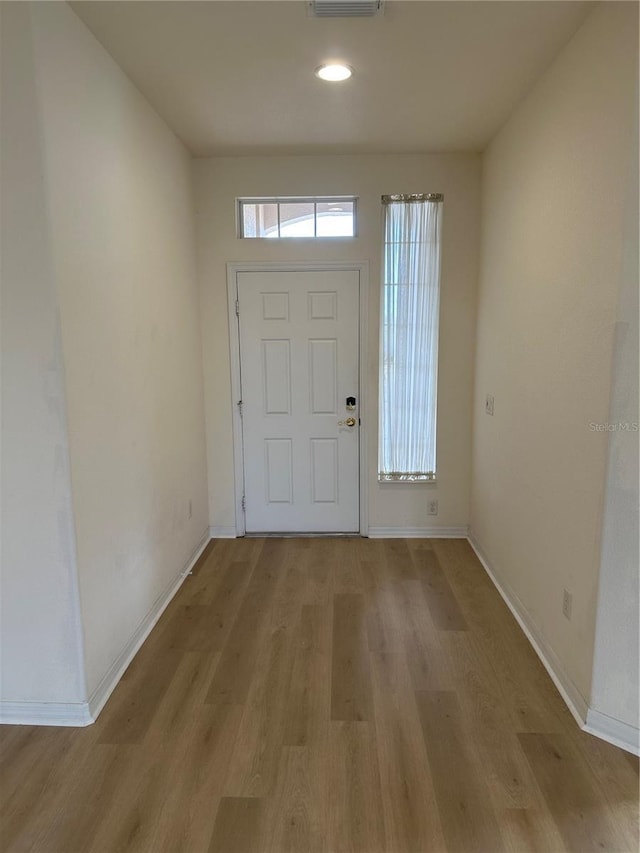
188 814
225 604
632 760
188 629
399 561
571 794
26 758
247 548
234 673
441 600
254 767
292 591
297 811
484 707
72 818
468 825
530 695
345 566
131 820
350 672
411 817
318 586
374 575
530 831
370 550
135 700
422 641
183 698
616 775
319 574
34 776
216 577
216 594
309 704
202 560
296 814
356 822
474 592
54 756
239 826
384 631
419 545
200 586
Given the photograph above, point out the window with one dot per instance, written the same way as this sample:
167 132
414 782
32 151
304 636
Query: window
409 337
297 217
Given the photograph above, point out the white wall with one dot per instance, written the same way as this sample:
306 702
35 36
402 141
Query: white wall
119 215
40 629
554 189
219 181
615 690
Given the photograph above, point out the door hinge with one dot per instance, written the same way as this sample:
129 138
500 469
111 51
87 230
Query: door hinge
244 504
240 407
237 307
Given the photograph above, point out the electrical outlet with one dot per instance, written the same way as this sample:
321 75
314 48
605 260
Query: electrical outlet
432 508
190 508
488 406
567 604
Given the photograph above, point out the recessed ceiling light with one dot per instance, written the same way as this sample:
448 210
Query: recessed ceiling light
334 72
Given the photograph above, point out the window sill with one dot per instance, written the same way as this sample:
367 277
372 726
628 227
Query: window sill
408 478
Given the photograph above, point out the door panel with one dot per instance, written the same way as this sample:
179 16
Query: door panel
299 362
276 380
278 471
324 470
323 376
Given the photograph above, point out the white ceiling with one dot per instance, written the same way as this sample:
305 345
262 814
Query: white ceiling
236 77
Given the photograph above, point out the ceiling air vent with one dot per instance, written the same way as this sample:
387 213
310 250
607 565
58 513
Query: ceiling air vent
345 8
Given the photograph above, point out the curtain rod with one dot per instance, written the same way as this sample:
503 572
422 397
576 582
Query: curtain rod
390 199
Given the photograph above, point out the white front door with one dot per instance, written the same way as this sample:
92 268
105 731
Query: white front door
299 364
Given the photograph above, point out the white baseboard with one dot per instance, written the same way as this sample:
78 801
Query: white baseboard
418 532
85 713
222 533
45 714
108 684
613 731
573 698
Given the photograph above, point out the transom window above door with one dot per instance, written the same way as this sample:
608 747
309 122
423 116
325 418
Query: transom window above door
295 217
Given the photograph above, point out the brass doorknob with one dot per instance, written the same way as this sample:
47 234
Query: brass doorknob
350 422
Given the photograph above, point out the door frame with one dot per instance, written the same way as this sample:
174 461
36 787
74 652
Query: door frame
235 267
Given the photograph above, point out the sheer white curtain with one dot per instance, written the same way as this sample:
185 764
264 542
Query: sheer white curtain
409 337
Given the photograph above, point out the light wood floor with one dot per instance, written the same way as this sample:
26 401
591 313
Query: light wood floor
325 695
